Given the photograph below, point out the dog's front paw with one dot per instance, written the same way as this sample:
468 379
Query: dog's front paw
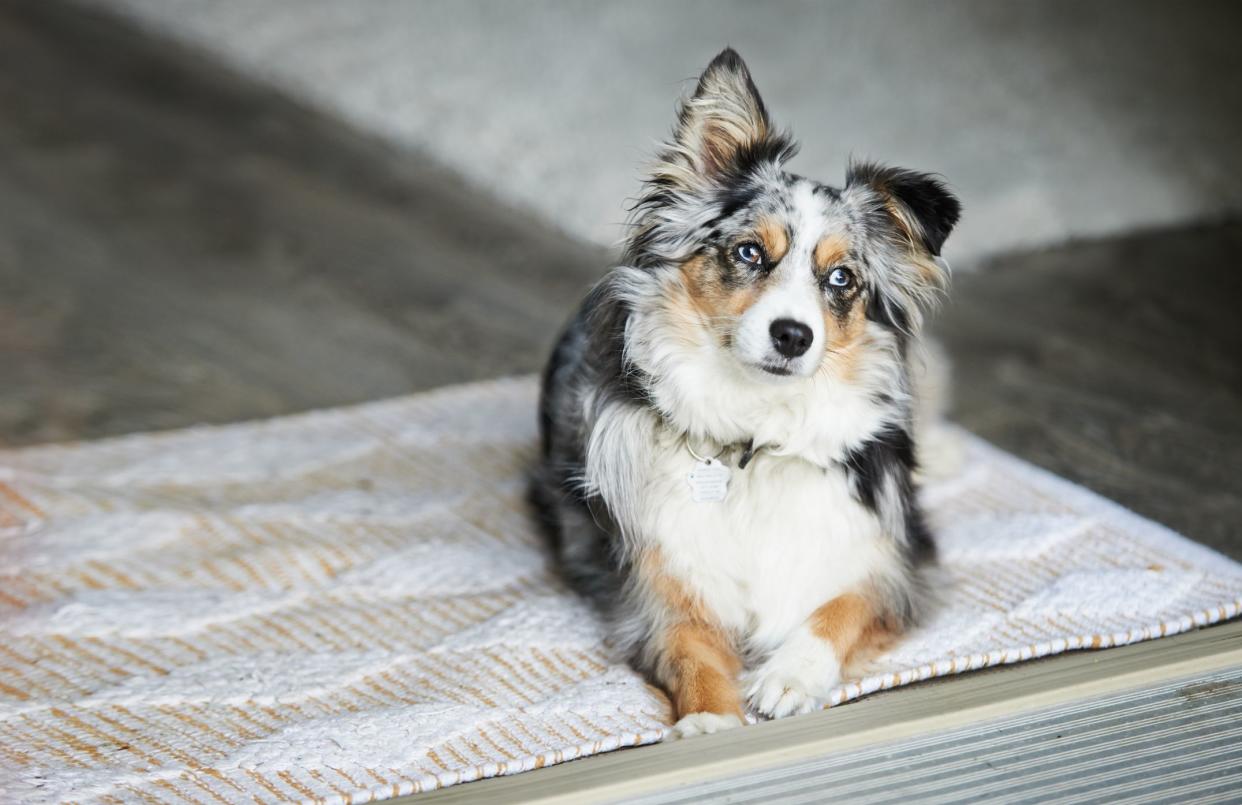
797 678
703 724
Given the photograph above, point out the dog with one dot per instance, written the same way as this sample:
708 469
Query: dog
728 423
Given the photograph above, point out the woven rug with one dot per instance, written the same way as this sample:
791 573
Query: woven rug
350 605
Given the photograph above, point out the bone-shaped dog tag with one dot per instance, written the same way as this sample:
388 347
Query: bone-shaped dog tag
709 481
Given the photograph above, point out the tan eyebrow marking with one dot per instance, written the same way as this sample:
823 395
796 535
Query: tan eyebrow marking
775 238
831 250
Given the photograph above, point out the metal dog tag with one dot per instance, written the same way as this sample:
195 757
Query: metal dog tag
709 481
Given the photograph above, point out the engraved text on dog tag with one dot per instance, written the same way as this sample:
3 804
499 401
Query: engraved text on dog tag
709 481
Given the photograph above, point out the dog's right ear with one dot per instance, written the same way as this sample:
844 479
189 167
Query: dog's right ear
723 129
722 136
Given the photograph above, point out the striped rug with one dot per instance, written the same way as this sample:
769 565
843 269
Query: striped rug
350 605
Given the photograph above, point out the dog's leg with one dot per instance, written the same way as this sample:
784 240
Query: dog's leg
801 673
688 653
699 669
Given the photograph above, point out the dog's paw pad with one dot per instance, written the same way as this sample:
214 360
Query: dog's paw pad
703 724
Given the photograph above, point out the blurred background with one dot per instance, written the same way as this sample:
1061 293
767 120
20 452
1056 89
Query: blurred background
1055 119
214 210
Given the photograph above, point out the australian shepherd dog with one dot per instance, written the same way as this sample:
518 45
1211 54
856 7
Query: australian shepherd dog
729 421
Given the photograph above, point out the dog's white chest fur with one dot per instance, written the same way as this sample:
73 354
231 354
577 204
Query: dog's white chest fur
786 538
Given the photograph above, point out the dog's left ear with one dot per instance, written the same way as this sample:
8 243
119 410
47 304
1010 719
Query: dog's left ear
919 204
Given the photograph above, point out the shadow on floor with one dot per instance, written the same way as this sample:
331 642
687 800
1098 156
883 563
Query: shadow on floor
178 245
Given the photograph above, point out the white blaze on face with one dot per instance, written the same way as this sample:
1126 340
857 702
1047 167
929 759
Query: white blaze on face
792 293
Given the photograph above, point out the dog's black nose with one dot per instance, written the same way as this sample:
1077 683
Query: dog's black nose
791 338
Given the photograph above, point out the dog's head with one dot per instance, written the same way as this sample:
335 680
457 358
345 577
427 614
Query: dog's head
787 273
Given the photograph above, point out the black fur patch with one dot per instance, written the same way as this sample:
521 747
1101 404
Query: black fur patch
558 362
828 191
776 148
891 316
601 318
734 197
605 318
884 312
889 458
918 536
890 452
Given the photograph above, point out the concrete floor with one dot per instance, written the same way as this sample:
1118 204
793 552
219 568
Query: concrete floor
1117 364
180 245
1053 119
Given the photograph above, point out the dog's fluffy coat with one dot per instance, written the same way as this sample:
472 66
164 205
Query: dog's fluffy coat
773 321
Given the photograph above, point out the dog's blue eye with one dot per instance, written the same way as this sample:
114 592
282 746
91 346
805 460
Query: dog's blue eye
750 253
841 278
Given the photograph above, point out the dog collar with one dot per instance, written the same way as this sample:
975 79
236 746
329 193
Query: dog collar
748 452
709 479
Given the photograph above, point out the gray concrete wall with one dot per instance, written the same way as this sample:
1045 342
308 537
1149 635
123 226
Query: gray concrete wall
1052 120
